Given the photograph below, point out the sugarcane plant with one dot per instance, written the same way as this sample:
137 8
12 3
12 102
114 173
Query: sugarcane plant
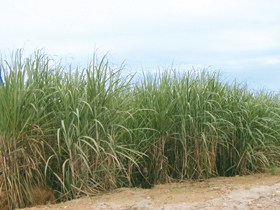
84 130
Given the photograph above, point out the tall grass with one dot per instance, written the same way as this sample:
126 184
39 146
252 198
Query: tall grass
205 127
81 131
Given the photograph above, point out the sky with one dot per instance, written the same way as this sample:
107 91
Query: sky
240 38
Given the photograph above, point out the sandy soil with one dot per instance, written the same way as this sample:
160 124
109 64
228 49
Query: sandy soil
259 191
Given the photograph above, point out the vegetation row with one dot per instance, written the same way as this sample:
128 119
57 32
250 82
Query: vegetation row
80 131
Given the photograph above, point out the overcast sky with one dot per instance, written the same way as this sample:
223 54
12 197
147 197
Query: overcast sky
239 37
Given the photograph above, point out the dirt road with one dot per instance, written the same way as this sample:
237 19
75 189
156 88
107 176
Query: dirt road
259 191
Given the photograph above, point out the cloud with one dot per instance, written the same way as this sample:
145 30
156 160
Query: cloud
149 32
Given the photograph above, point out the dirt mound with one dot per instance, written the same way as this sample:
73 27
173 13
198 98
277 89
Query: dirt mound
259 191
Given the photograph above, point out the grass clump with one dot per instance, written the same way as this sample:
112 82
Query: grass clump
81 131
